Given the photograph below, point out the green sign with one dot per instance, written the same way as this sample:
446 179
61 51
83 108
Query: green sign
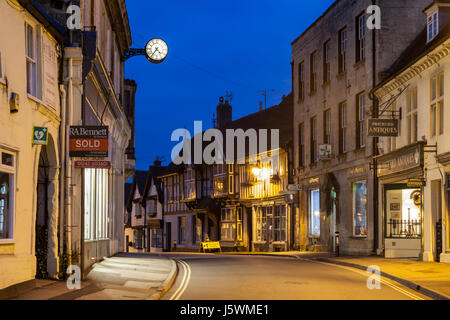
40 135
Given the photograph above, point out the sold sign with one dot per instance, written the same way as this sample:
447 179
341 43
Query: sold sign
88 141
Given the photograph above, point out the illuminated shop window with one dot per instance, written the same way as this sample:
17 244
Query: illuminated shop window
314 213
403 213
228 222
360 209
95 204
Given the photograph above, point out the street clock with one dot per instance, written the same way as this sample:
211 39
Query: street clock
156 50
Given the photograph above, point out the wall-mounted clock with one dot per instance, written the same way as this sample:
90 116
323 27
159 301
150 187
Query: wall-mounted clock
156 50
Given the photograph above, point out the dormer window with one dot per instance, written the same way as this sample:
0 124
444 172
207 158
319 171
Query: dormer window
432 23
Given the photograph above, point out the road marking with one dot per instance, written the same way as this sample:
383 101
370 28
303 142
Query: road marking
184 282
383 279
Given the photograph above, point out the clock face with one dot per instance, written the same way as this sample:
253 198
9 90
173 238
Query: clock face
156 50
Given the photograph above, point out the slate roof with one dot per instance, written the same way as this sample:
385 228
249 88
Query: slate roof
140 177
415 51
276 117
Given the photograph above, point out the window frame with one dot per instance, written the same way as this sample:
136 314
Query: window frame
301 145
343 126
301 81
343 46
432 25
33 58
314 65
361 33
354 210
437 105
314 140
228 223
327 62
311 223
361 120
11 171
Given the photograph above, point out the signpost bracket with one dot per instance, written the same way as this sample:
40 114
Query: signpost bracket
133 52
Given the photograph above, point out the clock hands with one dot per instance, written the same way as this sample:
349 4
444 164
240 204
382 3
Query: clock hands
156 49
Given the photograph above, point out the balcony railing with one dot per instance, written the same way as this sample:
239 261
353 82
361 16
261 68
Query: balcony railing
404 228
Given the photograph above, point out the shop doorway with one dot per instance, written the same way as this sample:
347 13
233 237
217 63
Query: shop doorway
403 222
41 226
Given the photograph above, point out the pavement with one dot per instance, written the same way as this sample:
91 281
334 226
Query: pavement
122 277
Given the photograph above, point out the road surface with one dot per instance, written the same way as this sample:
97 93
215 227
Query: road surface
238 277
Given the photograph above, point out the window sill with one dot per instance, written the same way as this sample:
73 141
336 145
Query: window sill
359 64
34 99
341 75
326 84
358 237
7 241
313 237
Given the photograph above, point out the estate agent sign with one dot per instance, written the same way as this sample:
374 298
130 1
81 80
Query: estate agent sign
88 141
383 128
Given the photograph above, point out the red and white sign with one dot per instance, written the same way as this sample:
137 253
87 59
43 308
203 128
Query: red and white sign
88 141
92 164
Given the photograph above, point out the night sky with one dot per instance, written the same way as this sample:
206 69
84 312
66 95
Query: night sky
214 46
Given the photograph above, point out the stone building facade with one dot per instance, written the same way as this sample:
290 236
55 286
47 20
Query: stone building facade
413 167
336 62
55 209
29 171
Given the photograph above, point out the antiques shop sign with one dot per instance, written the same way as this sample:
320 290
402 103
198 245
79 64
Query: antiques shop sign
407 158
383 128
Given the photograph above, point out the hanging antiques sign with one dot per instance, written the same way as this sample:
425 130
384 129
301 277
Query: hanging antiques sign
410 157
383 128
88 141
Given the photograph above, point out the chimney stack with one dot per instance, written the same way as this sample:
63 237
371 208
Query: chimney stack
224 113
157 162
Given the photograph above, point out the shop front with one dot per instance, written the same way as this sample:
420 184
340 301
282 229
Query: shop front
271 221
402 183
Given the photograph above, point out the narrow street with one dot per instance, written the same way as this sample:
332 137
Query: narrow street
224 277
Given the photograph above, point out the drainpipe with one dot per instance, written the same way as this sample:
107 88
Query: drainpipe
375 142
62 173
68 222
